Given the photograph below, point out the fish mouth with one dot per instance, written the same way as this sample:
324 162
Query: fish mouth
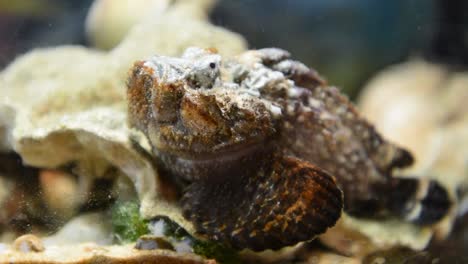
217 165
217 153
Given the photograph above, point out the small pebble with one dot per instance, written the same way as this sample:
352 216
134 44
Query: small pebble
152 242
28 243
184 246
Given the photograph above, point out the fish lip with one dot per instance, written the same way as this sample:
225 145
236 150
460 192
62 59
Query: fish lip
217 153
228 163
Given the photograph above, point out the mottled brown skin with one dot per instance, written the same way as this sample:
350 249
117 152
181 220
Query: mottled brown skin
334 136
282 203
350 148
184 125
240 189
259 178
362 160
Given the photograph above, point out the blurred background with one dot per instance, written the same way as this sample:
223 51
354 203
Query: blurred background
345 40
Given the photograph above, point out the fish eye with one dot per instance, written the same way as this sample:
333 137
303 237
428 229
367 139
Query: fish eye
212 65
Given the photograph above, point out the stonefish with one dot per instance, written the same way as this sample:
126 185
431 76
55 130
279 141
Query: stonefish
266 154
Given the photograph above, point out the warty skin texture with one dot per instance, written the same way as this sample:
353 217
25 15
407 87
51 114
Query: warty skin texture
261 146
